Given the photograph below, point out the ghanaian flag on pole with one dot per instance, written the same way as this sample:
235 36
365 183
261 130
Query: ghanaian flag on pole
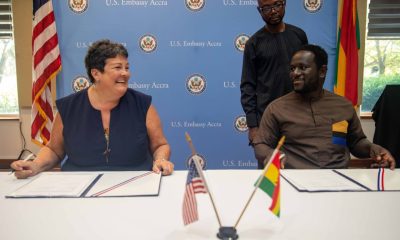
346 82
269 182
271 185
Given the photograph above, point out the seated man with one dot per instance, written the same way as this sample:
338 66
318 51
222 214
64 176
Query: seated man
321 128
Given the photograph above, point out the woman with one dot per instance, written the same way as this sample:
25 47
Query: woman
107 126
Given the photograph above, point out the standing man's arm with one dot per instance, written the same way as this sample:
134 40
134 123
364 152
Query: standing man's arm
248 89
301 35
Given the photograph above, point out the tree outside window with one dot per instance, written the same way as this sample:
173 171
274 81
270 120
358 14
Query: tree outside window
381 68
382 50
8 81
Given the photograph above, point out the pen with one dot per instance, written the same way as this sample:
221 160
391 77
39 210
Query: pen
25 159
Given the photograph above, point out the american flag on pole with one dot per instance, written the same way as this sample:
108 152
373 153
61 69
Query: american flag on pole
46 64
194 184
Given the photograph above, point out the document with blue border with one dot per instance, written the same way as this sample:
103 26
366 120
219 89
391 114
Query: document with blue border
90 184
317 180
369 178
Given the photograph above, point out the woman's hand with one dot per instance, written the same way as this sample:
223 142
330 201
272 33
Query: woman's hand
24 169
164 166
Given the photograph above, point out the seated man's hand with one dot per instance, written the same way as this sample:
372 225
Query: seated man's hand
382 157
166 167
282 158
24 169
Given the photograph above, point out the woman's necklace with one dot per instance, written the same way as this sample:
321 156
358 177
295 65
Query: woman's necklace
107 137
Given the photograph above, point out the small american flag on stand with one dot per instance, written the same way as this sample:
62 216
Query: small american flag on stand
194 184
381 179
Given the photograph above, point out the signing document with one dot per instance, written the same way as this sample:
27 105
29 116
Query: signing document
126 184
318 180
90 184
52 184
369 178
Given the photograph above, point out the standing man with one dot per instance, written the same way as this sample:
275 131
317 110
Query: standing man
321 128
265 72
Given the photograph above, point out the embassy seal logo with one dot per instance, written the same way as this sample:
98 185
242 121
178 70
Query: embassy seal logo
241 123
78 6
312 6
148 43
196 84
79 83
240 42
195 5
200 158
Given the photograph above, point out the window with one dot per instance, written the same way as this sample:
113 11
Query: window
382 50
8 80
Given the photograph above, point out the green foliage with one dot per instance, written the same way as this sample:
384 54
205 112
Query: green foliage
382 56
8 104
373 88
8 81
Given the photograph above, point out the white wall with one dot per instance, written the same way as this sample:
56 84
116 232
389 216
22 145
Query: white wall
10 137
11 140
368 126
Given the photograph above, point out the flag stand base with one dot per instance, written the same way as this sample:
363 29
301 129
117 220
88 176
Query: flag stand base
227 233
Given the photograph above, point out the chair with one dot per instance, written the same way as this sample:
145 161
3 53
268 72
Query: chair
5 164
386 115
360 163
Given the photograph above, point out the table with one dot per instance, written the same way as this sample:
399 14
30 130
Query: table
334 215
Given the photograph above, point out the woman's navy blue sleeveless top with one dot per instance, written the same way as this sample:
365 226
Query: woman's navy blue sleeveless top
84 139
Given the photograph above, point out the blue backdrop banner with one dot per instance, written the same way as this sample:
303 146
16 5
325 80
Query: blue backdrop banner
188 55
